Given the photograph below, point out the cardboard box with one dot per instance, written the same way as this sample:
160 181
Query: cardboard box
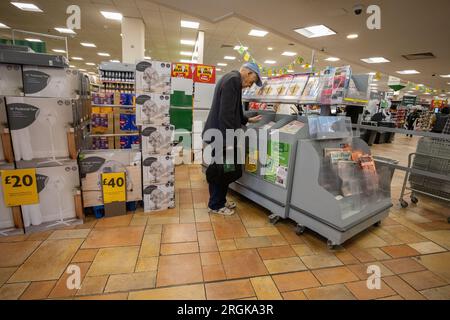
102 123
157 139
11 80
51 82
159 197
39 126
125 120
153 77
101 143
6 216
158 169
152 109
128 142
94 163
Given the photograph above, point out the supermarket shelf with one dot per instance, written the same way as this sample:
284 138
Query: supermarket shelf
112 105
117 81
113 134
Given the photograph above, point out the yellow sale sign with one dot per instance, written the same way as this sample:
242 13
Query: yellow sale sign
114 187
19 187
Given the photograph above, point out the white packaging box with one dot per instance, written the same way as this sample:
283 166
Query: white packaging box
11 80
39 127
204 94
3 123
158 169
182 84
56 187
157 139
153 77
6 217
51 82
159 197
94 163
197 141
199 118
152 109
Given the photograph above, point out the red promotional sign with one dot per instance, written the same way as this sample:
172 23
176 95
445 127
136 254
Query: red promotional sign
182 70
205 74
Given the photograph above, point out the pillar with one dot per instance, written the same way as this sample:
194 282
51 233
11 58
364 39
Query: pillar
133 40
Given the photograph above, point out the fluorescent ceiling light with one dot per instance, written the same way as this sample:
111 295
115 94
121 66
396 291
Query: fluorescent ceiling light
148 58
375 60
257 33
82 70
77 58
269 48
104 54
186 53
445 75
352 36
315 31
270 62
222 64
290 71
218 69
112 15
33 40
87 44
3 26
189 24
332 59
114 61
188 42
186 61
26 6
90 63
408 72
372 73
65 30
71 66
289 53
229 58
93 73
59 50
238 47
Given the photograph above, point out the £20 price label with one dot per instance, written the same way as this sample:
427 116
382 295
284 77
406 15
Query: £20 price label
20 187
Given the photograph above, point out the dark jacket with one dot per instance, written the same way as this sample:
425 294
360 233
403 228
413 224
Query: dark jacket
441 120
226 110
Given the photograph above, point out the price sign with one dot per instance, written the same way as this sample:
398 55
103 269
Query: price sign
20 187
205 74
114 187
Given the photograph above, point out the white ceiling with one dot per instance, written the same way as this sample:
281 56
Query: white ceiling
407 26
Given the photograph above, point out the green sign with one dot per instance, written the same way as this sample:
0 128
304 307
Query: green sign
409 100
277 162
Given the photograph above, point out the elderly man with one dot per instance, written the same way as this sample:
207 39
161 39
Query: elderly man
226 113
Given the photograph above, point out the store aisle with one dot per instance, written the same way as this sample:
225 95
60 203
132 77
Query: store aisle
185 253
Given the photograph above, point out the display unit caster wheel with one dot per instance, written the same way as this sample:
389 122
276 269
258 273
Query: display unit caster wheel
414 199
377 224
403 203
330 245
300 229
274 219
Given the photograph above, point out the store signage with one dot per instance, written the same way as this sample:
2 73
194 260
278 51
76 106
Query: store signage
182 70
205 74
114 187
19 187
407 100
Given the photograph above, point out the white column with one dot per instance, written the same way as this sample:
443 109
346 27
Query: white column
199 47
133 40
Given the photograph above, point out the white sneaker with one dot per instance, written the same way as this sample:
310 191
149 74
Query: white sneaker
223 211
230 204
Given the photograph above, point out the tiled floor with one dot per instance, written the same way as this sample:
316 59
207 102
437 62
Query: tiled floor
185 253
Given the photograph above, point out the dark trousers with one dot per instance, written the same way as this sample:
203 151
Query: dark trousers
217 195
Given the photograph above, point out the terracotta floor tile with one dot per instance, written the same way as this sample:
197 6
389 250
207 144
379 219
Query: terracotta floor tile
321 261
85 255
266 231
242 263
294 295
302 250
346 257
229 229
210 258
226 245
48 262
188 292
265 288
12 291
113 296
378 254
332 292
131 281
179 233
178 248
288 232
438 263
204 226
361 292
40 236
295 281
396 297
278 240
147 264
114 237
114 222
400 251
207 242
6 273
151 245
92 285
227 290
276 252
15 253
253 242
61 289
16 238
363 255
441 293
335 275
201 215
214 272
187 216
402 288
360 270
368 240
153 229
162 220
403 265
423 280
179 269
114 261
426 247
69 234
282 265
138 221
38 290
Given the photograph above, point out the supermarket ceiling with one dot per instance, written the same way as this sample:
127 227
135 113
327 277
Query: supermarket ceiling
407 27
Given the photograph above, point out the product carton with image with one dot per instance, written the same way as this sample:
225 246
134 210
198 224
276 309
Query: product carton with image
11 80
157 139
6 215
153 77
158 169
51 82
159 197
152 109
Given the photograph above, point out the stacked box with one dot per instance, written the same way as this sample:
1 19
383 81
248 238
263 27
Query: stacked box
157 139
152 109
125 122
158 169
11 80
153 77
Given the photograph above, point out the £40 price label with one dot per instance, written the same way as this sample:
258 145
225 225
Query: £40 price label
114 187
20 187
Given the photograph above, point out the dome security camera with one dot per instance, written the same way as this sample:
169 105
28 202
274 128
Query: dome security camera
357 9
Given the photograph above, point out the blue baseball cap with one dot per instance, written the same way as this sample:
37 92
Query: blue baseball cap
254 67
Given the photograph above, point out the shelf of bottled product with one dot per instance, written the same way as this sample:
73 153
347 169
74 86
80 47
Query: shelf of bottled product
117 81
113 105
92 135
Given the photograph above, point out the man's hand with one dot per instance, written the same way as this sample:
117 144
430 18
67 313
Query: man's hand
255 119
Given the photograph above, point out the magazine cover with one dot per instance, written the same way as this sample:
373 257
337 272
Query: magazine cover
312 89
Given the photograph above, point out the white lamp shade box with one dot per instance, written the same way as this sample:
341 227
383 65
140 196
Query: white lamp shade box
182 84
158 169
94 163
6 218
153 77
51 82
152 109
204 93
11 80
39 127
157 139
159 197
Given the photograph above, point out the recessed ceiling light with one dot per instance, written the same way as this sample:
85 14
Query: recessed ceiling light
3 26
186 61
218 69
375 80
427 93
238 47
189 24
112 15
77 58
289 53
445 75
222 64
315 31
90 63
332 59
26 6
257 33
229 58
104 54
33 40
59 50
84 70
87 44
408 72
71 66
269 48
270 61
372 73
147 58
352 36
117 61
188 42
375 60
186 53
92 73
65 30
290 71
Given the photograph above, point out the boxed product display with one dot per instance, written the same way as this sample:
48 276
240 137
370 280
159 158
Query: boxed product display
128 142
153 77
158 169
99 143
94 163
102 123
39 127
6 217
125 120
157 139
51 82
153 109
11 80
159 197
